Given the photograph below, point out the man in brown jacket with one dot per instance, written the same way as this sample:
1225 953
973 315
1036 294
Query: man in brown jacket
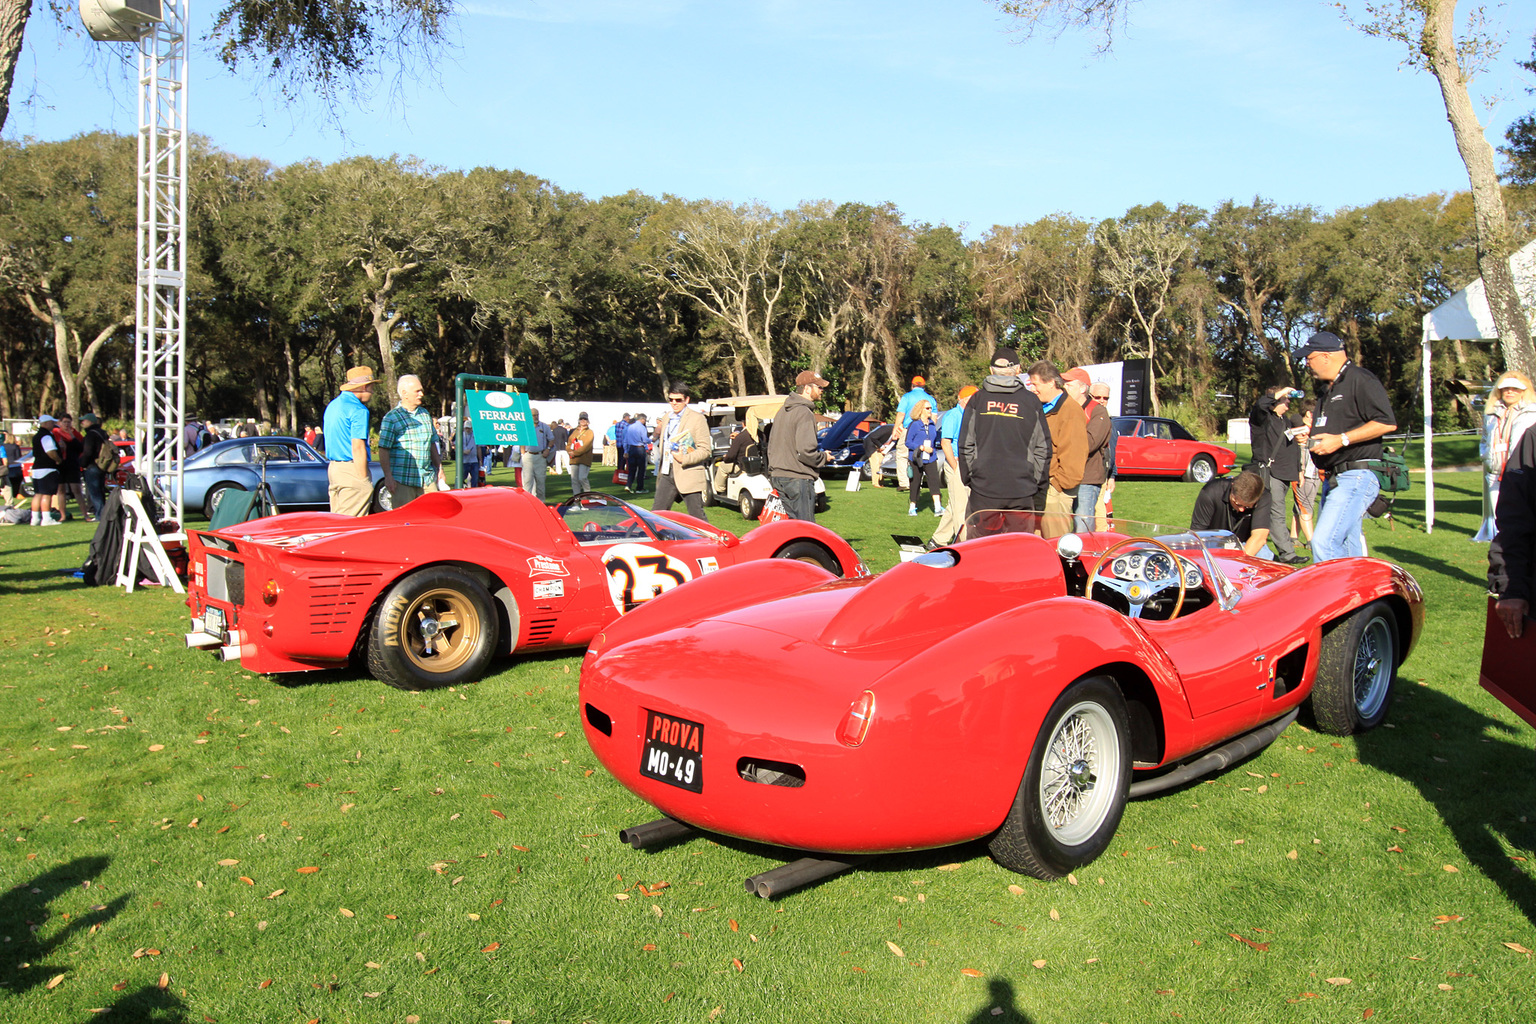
683 447
579 447
1095 471
1068 425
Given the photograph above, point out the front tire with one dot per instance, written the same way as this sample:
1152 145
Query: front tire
810 551
1074 788
436 627
750 506
1356 672
1201 470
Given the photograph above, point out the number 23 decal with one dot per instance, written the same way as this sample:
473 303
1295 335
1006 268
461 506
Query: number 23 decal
638 572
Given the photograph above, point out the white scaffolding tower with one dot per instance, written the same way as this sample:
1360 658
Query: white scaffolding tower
159 27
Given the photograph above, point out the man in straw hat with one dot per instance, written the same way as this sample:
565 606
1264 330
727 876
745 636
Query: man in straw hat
346 444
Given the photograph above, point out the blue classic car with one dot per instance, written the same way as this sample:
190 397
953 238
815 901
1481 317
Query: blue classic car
295 473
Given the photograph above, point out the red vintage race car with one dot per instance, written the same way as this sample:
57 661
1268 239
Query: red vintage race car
429 593
1006 688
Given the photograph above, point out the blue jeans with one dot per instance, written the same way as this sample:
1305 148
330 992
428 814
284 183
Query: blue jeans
1337 531
95 487
1087 497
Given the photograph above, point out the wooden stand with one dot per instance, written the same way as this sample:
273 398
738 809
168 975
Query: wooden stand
140 538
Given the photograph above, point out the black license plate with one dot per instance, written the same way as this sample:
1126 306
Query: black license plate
674 751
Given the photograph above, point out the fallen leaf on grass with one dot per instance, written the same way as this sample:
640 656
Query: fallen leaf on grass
1337 981
519 849
1443 987
1394 849
1447 918
372 966
1452 868
265 984
1368 1014
971 972
1262 947
1055 914
473 917
1292 855
155 748
1516 947
228 862
649 947
347 913
498 813
734 926
1039 964
1397 828
119 986
894 948
949 867
621 895
1017 890
164 982
55 981
307 870
275 893
493 947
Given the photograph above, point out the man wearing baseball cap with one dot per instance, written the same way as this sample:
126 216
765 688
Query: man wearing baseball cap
1352 416
47 457
904 407
1005 446
346 444
794 458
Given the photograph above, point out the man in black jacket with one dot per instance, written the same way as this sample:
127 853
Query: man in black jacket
1512 556
91 470
794 457
1278 461
1005 444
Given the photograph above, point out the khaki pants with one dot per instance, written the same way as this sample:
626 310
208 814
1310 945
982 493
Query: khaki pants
350 494
404 494
1101 507
1058 519
954 511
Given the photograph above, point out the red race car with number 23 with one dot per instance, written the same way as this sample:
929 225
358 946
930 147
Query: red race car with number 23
1007 688
430 592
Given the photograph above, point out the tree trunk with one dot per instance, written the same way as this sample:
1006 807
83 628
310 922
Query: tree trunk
1494 240
739 372
290 385
13 26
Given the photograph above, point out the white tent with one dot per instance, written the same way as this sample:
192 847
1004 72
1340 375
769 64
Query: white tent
1465 316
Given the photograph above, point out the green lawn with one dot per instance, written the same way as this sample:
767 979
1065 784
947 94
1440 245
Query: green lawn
160 810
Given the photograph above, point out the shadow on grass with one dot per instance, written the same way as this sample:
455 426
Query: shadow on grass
1000 1005
1407 557
149 1005
24 910
41 579
359 670
1480 788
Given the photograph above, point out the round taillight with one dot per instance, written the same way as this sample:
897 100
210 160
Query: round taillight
269 593
856 722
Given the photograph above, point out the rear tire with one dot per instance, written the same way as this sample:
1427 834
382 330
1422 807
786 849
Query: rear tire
810 551
215 495
1356 672
1074 788
383 501
434 628
1201 470
750 506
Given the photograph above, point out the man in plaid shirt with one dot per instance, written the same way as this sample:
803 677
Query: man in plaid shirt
408 446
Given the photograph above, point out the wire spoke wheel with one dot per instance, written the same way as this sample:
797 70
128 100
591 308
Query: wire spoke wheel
1373 668
1081 753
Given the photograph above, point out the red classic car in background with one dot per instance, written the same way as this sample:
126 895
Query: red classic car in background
432 591
1005 688
1153 446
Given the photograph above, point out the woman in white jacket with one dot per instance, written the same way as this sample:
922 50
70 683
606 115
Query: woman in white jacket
1510 412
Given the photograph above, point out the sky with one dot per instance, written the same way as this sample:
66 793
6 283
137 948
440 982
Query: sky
933 105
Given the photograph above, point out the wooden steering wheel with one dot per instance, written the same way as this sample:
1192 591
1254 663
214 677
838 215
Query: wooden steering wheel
1137 593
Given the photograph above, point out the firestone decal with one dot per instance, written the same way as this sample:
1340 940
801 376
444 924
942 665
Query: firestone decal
639 572
543 565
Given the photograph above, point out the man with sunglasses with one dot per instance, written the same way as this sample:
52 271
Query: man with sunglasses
1240 505
683 446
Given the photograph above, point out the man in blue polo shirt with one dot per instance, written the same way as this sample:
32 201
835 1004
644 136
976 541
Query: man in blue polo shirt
637 446
346 444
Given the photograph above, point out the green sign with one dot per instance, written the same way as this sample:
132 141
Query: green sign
500 417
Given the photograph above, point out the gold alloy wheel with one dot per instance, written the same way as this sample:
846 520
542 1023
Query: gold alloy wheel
440 630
